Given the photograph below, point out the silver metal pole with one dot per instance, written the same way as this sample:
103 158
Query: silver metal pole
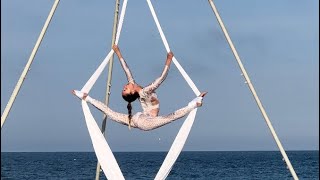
27 67
285 157
114 31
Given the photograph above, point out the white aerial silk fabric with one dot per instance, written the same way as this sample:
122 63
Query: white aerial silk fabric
184 131
101 147
102 150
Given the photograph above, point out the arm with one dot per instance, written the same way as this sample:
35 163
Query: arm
155 84
123 64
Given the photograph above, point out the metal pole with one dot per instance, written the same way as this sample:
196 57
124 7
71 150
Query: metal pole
27 67
114 31
244 73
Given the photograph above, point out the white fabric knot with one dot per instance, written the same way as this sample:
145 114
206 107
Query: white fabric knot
79 94
194 102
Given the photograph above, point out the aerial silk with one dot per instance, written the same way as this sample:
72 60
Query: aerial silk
102 150
184 131
101 147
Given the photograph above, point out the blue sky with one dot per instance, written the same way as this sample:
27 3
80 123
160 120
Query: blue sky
277 41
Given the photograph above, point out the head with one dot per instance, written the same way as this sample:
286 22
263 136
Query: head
129 94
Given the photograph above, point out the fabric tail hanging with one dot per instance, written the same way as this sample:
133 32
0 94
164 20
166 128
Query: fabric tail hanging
101 147
184 131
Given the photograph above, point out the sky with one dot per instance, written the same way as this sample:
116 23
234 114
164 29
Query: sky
277 42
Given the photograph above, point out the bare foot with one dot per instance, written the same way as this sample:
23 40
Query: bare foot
85 95
80 94
201 95
170 55
73 92
169 58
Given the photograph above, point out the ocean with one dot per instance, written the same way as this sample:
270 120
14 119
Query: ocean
204 165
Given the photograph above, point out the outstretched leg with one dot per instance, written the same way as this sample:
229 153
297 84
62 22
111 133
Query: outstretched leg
115 116
147 123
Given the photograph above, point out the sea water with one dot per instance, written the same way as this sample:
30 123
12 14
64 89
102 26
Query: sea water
145 165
